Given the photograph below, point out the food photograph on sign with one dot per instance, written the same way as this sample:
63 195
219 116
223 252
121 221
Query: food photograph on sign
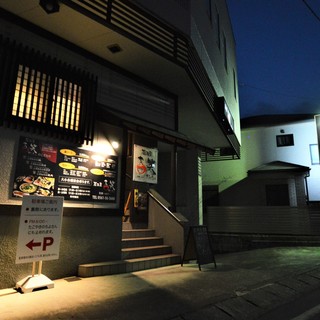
46 169
31 185
145 164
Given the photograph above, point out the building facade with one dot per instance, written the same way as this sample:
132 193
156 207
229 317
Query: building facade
101 98
279 155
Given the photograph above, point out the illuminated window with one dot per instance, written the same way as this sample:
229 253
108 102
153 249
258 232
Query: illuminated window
314 153
46 99
66 105
46 95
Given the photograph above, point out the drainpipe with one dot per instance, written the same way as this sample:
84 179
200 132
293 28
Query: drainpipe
174 178
307 190
123 169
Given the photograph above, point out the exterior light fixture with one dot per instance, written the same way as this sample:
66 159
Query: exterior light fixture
225 115
115 144
49 6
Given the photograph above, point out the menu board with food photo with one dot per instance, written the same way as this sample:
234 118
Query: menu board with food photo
80 175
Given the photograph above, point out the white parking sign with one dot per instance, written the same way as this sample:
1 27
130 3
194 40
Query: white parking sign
39 229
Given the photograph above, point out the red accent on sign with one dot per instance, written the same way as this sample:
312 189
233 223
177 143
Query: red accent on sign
47 241
32 244
49 152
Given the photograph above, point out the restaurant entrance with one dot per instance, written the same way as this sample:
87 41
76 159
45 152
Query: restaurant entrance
149 165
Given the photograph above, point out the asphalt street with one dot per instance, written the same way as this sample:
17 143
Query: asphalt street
245 285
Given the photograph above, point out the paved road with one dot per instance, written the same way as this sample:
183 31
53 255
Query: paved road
244 286
306 307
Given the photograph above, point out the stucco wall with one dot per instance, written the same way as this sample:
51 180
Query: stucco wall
252 191
206 40
188 193
84 239
90 233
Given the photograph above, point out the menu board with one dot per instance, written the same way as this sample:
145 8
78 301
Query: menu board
198 246
46 169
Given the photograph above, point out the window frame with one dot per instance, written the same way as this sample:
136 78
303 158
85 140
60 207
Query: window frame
17 57
285 140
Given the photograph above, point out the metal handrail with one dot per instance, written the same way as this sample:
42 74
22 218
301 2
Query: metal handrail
172 214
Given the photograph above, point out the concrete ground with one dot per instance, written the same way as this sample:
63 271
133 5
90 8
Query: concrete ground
245 285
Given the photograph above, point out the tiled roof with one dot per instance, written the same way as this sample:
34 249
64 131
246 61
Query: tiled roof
280 166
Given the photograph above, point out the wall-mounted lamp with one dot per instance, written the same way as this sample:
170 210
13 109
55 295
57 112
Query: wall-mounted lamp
115 144
49 6
281 131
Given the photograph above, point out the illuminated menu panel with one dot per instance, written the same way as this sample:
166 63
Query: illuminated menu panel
45 169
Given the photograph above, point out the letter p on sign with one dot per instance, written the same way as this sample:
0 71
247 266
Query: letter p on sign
47 241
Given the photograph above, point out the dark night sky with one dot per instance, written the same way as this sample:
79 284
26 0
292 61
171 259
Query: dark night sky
278 55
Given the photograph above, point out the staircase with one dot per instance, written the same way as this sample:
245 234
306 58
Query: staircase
141 250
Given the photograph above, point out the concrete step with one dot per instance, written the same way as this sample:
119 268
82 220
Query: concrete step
137 233
134 225
140 252
141 242
125 266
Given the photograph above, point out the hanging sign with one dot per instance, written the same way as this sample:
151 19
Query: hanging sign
145 164
39 229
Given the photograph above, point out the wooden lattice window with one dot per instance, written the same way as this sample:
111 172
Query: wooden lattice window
45 95
49 100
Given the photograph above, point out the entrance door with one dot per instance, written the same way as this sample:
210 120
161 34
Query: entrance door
277 195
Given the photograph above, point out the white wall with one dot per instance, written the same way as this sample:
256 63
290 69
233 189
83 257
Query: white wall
259 147
205 39
191 17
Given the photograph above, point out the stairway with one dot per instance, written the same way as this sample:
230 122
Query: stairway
141 250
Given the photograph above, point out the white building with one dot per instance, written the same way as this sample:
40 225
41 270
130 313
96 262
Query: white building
290 139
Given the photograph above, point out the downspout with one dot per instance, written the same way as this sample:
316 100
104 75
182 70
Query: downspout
174 178
306 184
123 169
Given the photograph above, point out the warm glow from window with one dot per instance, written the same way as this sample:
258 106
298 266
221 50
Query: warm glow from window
66 111
31 99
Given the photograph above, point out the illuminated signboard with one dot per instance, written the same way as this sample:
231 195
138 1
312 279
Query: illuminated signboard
46 169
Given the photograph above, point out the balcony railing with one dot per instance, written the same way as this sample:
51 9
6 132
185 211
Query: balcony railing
128 19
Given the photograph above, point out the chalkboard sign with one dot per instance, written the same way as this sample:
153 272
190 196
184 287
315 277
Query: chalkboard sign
198 246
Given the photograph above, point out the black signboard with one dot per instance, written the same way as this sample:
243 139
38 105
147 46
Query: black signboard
198 246
47 169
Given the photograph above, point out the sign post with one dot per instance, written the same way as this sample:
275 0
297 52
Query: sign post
39 238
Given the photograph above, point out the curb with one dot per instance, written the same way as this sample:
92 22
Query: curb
252 304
